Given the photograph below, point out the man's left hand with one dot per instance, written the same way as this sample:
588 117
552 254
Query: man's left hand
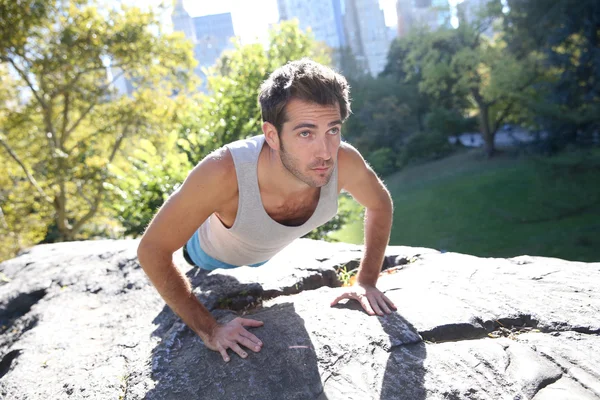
371 298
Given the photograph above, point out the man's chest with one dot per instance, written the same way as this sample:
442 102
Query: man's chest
289 212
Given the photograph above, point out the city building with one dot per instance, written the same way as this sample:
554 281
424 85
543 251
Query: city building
182 21
210 34
367 34
357 25
432 14
120 84
213 36
323 17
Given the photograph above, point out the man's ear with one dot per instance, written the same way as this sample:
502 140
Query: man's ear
271 135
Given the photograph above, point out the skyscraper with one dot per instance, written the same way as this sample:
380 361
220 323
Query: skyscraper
323 17
210 34
405 16
213 36
338 11
366 33
429 13
182 21
357 24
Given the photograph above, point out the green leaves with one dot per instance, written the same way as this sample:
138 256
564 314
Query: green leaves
63 119
565 34
463 69
145 182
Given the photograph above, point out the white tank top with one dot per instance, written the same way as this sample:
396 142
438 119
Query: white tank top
254 236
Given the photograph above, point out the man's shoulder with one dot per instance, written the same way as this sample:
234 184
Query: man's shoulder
246 147
350 164
220 162
348 156
216 169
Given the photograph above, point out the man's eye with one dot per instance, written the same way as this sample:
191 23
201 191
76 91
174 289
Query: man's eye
334 131
304 134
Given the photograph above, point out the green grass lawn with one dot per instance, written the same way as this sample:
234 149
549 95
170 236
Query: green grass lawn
507 206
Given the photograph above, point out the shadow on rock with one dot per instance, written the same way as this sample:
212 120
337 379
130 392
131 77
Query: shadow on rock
383 358
404 373
285 368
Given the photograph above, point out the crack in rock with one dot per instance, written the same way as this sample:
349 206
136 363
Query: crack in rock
453 332
250 298
7 360
546 382
15 320
18 307
509 360
542 276
508 327
21 326
564 370
586 330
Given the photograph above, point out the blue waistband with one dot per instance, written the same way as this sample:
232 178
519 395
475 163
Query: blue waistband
203 260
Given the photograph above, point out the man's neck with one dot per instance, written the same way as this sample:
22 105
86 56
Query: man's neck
276 179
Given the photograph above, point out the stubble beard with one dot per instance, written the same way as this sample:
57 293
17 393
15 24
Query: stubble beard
293 166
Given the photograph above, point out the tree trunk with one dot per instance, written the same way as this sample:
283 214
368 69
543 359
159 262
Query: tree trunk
60 218
486 131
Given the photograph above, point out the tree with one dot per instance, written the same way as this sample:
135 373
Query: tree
383 114
147 183
67 129
465 64
23 220
448 122
395 68
567 33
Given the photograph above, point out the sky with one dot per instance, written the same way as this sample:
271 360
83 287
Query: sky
251 19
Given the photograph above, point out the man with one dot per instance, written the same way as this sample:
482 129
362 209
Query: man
246 201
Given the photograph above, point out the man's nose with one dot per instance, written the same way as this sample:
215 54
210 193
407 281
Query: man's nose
323 149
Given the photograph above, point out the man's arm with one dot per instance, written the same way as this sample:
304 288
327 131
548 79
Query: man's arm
358 179
209 185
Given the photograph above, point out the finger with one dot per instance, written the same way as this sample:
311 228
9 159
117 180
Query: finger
365 303
223 352
250 322
390 302
373 301
248 343
237 349
342 296
383 305
256 341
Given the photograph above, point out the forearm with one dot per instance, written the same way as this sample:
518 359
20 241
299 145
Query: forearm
175 289
378 223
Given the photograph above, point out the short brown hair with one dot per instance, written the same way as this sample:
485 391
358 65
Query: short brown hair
304 80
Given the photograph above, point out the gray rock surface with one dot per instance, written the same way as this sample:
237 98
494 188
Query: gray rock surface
80 320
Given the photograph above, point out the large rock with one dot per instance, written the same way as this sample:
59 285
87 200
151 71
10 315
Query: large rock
81 320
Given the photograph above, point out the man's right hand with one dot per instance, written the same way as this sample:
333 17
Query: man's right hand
231 335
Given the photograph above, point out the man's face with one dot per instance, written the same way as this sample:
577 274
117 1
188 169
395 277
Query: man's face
309 141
